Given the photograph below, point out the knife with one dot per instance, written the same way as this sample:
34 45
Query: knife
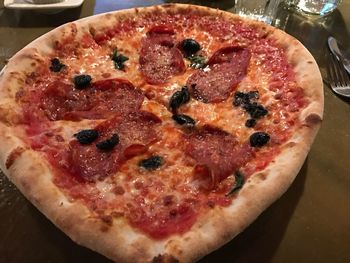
341 55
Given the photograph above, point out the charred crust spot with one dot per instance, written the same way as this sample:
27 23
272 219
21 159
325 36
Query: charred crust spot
59 138
266 34
313 119
13 156
107 219
290 144
261 176
150 94
118 190
104 228
25 184
310 62
187 239
106 75
168 200
165 258
56 44
92 31
211 204
117 214
74 29
168 5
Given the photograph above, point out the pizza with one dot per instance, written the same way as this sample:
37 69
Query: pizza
158 134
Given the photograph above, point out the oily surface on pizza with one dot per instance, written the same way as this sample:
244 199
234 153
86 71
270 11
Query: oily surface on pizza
144 132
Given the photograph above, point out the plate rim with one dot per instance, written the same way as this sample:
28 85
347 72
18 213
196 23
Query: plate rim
11 4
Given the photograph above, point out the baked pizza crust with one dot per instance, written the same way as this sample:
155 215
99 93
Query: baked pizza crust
30 172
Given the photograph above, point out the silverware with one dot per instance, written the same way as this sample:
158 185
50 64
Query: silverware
341 55
338 79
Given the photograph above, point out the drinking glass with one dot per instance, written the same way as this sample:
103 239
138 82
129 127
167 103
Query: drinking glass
263 10
316 7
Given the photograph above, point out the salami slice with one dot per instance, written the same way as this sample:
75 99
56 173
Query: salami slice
134 128
135 131
226 68
217 152
90 164
59 98
160 59
102 99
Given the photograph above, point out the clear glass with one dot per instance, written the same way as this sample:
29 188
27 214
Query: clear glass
263 10
316 7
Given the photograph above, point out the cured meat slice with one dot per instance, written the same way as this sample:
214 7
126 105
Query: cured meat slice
90 164
135 129
160 59
216 152
60 98
226 68
102 99
115 96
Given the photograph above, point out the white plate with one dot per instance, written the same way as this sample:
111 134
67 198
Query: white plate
23 4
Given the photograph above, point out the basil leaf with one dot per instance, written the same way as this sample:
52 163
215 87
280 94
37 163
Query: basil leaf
197 61
238 183
119 59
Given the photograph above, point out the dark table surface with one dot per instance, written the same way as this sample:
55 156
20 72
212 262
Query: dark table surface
310 223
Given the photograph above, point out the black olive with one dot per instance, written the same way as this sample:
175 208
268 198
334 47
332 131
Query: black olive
108 144
259 139
86 136
179 97
185 94
253 94
152 162
183 119
190 46
56 65
250 123
82 81
255 110
241 98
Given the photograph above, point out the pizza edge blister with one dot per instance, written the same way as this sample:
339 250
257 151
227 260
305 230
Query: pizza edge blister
31 173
